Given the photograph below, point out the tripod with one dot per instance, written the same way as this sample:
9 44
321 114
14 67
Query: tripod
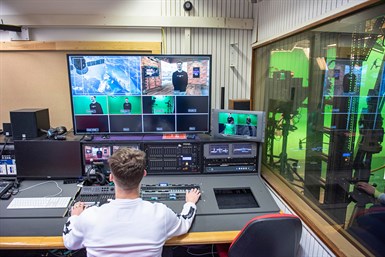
288 167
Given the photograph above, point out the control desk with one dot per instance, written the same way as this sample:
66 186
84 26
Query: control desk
227 173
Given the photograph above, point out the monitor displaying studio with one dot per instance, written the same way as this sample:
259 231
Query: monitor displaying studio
238 124
140 94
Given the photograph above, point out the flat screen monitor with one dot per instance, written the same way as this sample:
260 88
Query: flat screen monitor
96 154
238 124
140 94
116 147
48 159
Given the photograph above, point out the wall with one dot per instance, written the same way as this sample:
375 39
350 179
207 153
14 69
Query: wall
278 17
222 28
227 46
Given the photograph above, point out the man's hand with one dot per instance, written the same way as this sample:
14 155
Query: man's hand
366 187
193 195
77 209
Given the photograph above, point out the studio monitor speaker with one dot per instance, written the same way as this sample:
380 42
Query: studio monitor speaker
239 104
7 129
29 123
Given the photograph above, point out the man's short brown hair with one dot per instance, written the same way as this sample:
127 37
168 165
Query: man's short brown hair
127 166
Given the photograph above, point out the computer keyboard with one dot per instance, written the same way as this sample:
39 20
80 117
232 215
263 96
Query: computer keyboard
39 202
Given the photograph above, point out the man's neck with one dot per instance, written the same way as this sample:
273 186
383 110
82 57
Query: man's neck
126 194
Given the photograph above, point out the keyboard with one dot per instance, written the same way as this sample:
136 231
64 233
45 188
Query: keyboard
39 202
4 186
166 192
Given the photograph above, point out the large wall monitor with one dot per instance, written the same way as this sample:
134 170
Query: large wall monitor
134 94
238 124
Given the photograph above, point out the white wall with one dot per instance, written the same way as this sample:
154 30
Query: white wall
310 245
227 46
274 18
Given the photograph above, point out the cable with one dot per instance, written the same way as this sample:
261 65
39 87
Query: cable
42 183
3 148
212 252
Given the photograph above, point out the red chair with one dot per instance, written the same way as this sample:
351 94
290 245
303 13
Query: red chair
271 235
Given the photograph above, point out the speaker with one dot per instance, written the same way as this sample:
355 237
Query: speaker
239 104
29 123
7 129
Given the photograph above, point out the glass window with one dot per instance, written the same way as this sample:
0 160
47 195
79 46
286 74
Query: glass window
325 97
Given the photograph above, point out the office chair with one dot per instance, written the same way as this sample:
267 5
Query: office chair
271 235
368 227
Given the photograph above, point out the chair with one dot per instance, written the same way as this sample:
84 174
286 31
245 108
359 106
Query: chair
271 235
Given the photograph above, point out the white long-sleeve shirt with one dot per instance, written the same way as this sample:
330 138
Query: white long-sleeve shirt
126 227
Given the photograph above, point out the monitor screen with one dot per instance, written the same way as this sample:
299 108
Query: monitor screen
48 159
96 154
127 94
117 147
238 124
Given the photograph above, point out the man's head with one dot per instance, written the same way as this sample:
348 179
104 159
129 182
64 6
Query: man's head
93 99
179 66
126 99
127 167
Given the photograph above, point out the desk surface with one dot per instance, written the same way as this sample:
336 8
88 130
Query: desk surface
211 225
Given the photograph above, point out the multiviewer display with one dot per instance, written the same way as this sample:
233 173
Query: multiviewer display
238 124
123 94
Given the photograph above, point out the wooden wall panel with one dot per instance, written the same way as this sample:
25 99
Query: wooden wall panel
32 78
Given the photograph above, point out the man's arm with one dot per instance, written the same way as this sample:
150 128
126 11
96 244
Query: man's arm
380 197
180 223
72 236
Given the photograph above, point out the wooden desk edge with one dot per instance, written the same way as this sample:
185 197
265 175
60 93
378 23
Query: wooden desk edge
56 242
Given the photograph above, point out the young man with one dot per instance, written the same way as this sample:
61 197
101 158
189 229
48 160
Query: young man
95 107
180 78
126 106
128 225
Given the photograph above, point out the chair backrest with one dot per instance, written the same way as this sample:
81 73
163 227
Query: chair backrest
271 235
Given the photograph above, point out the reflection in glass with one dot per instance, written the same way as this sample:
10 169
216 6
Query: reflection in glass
325 131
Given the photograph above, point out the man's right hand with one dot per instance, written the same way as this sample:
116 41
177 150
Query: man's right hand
366 187
193 195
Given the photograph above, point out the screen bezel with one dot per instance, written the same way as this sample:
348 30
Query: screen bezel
178 127
260 128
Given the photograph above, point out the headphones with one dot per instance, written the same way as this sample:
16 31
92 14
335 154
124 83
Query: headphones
95 175
57 133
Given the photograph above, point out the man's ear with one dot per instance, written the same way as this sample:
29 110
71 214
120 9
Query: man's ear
144 173
111 177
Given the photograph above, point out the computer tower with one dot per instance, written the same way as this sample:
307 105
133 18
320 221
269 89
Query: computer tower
29 123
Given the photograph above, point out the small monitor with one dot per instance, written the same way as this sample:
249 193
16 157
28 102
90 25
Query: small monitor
94 154
238 124
117 147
